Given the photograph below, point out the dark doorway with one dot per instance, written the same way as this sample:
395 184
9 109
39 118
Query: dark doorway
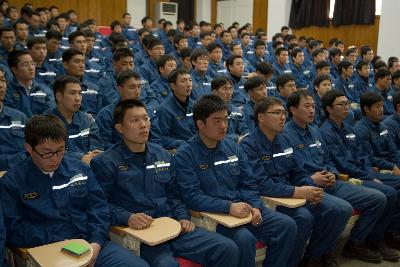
185 10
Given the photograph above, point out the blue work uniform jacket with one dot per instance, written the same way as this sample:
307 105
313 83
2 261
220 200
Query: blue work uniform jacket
42 209
309 144
211 179
392 123
376 140
216 69
276 165
201 85
12 124
173 123
37 101
301 75
346 151
138 183
83 134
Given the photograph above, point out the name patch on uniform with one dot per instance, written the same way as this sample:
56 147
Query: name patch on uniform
31 196
301 146
203 166
266 158
179 117
123 167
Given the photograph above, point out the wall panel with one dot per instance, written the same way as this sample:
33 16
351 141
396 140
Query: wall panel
104 11
260 14
358 35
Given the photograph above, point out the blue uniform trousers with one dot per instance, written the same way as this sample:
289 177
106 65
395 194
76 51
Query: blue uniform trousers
114 255
369 202
330 218
201 246
277 230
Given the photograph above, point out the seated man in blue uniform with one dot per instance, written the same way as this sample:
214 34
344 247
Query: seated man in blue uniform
201 81
237 128
280 64
362 81
374 136
257 91
45 73
215 64
322 84
48 198
12 123
213 175
160 87
137 179
83 134
307 141
129 87
74 65
279 173
392 123
383 81
351 159
286 85
173 123
24 92
148 70
300 72
235 69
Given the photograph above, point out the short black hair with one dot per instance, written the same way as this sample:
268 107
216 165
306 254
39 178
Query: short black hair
63 16
61 82
6 29
204 34
258 43
198 52
381 73
35 40
316 52
173 76
153 43
295 98
178 38
296 51
122 53
343 65
263 105
321 65
284 28
219 81
364 50
265 68
114 24
41 128
145 18
396 101
279 50
334 52
281 80
368 99
379 64
361 64
206 106
185 52
212 46
53 34
328 99
14 56
163 60
230 60
73 35
252 83
69 53
89 33
125 75
122 107
396 75
320 78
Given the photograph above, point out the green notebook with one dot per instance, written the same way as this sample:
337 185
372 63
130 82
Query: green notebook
76 249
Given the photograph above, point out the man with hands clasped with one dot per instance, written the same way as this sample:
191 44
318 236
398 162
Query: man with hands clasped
136 176
279 172
213 175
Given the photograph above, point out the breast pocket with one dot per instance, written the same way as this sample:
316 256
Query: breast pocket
158 187
77 193
39 99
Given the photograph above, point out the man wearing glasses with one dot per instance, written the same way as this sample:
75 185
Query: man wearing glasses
201 81
350 158
49 198
279 173
24 92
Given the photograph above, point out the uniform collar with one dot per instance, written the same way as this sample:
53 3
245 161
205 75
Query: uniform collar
127 153
300 130
204 149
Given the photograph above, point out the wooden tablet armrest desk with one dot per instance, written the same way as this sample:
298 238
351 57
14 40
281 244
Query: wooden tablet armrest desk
292 203
50 255
161 230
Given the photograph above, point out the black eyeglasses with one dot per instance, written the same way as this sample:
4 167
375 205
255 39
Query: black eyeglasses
50 154
282 112
343 104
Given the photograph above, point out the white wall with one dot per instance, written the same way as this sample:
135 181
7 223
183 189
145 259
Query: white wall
278 15
388 36
203 10
235 10
137 8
